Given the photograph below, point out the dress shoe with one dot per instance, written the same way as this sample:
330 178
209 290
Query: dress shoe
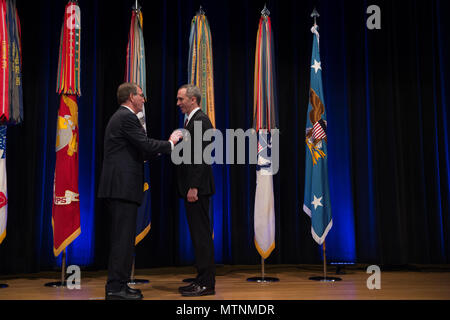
188 287
124 294
196 290
133 291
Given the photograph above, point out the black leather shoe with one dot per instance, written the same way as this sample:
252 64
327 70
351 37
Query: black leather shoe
188 287
196 290
124 294
133 291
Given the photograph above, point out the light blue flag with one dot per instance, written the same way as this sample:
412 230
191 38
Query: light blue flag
316 202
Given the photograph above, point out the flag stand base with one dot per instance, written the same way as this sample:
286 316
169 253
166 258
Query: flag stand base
325 278
262 279
3 285
63 282
56 284
136 281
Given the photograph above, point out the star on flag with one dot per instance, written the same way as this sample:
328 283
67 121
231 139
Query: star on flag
317 202
317 65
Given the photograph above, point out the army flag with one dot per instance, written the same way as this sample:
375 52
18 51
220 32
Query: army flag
200 63
264 120
317 196
136 73
66 202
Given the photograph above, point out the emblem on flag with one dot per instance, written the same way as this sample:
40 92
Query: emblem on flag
316 202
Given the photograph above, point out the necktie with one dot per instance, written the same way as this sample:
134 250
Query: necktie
185 122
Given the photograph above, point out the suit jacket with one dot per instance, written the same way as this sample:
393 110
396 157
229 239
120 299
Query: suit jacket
126 146
192 175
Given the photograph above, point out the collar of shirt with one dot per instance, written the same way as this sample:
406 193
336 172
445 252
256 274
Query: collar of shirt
192 114
129 109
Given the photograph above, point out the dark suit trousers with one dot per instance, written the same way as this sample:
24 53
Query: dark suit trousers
123 232
197 214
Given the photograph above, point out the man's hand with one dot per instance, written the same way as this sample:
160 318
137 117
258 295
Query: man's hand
192 195
176 136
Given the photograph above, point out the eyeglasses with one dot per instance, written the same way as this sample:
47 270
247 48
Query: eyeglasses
140 94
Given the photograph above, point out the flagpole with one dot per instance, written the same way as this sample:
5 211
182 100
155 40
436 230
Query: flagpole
263 278
325 278
262 268
63 267
61 283
324 261
132 279
264 125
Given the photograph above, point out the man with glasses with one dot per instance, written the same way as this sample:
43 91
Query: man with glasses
126 146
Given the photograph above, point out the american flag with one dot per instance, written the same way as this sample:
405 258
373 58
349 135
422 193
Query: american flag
319 130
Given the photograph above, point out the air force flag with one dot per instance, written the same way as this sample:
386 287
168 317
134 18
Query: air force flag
317 196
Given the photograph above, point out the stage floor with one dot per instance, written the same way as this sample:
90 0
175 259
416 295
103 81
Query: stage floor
412 283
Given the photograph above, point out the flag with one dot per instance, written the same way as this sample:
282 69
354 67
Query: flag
4 65
3 187
11 102
200 63
11 108
136 73
200 73
264 119
317 195
66 202
144 217
15 64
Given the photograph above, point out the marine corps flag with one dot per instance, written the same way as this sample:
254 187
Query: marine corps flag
317 196
264 120
66 205
200 63
136 73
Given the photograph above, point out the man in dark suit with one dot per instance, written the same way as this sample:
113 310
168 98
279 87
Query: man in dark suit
126 146
195 186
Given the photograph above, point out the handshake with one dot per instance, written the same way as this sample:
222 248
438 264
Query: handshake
176 136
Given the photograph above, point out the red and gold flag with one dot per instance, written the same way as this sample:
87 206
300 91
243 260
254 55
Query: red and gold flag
66 203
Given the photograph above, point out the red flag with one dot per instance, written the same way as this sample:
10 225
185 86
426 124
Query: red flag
66 205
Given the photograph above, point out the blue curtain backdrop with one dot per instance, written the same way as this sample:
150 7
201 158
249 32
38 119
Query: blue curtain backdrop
386 94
